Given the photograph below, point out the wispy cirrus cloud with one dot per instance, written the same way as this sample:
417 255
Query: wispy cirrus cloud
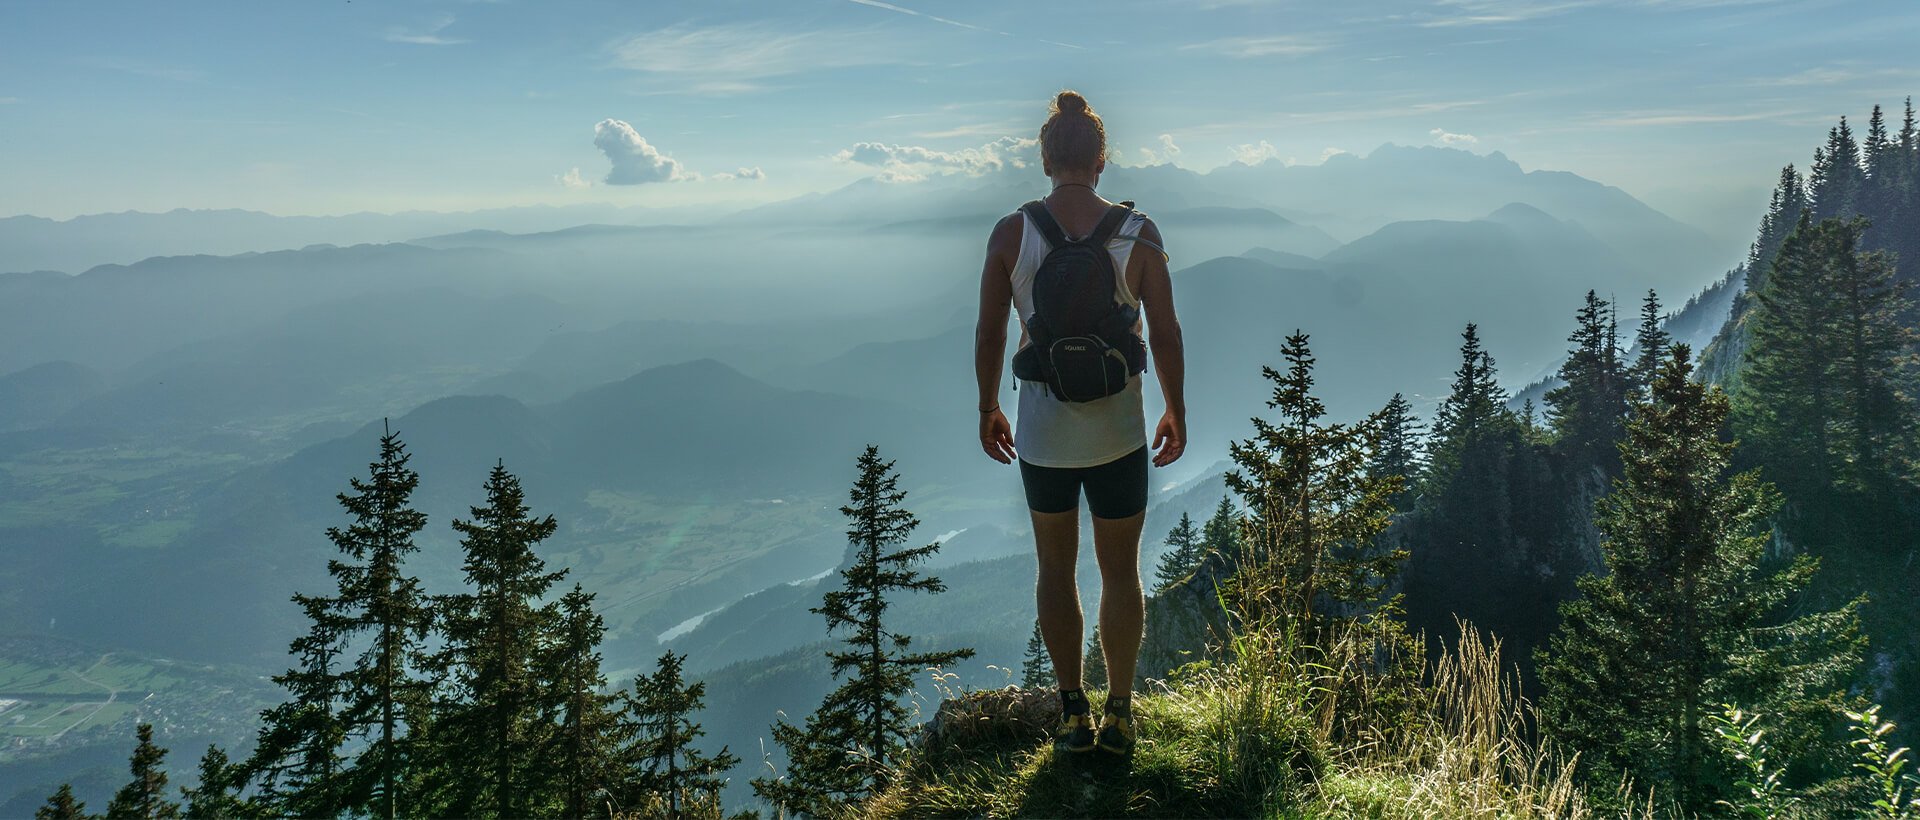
1457 13
1644 119
145 69
1285 45
898 9
736 58
428 36
1836 75
935 18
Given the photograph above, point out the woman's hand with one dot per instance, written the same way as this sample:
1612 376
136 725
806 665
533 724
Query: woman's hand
996 436
1169 439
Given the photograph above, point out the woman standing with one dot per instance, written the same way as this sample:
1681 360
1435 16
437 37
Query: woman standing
1068 265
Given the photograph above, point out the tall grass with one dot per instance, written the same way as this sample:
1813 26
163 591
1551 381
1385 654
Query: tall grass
1471 753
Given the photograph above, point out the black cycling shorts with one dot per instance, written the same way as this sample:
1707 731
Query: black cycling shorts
1116 489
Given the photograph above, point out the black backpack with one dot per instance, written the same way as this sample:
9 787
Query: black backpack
1081 341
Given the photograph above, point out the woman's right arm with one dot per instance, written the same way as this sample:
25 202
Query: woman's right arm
990 337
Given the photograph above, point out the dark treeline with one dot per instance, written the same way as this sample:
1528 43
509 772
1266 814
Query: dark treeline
490 702
1706 574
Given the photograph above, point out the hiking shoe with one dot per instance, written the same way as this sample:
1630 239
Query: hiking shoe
1116 734
1076 734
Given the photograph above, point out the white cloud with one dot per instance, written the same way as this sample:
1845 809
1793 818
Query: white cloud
1255 153
145 69
635 161
733 58
907 163
572 179
1285 45
891 7
753 173
1168 150
430 36
1489 12
1330 153
1639 119
1441 136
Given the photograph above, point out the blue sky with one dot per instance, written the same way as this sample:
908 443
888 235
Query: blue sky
330 107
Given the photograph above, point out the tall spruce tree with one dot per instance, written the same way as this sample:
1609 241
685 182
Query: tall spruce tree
662 763
62 806
296 761
379 604
1835 182
1184 551
1688 615
145 797
1036 668
1221 534
847 746
1314 561
1650 345
1398 453
1490 516
1783 214
1313 512
217 793
493 726
1587 411
1477 400
1818 404
1093 670
582 764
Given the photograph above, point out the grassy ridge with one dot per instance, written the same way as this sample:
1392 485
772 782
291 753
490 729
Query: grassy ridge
1252 738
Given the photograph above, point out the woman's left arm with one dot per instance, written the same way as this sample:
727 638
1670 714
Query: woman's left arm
1169 351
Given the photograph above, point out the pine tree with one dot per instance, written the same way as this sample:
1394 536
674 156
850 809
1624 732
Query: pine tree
1783 214
493 726
378 601
1834 186
1399 452
216 796
588 730
1314 561
1036 669
662 763
1588 409
146 796
1817 404
1093 670
1687 616
1490 515
62 806
1312 511
296 759
1650 345
1221 534
849 744
1184 551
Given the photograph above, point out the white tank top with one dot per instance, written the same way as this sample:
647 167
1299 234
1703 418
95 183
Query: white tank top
1049 432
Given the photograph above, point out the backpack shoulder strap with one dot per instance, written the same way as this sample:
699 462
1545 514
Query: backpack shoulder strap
1042 220
1110 224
